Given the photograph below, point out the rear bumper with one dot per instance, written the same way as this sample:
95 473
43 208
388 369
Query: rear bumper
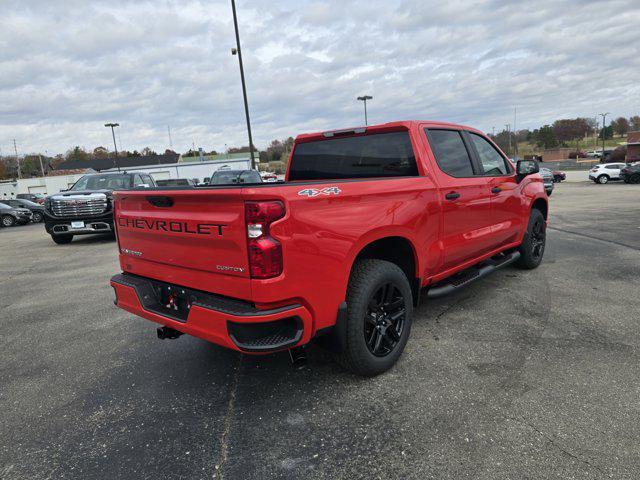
231 323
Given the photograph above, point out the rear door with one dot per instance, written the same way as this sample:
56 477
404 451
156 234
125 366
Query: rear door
185 237
466 200
506 210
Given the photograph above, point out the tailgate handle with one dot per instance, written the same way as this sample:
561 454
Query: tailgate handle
160 201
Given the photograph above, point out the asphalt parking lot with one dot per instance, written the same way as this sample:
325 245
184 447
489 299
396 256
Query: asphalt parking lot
526 374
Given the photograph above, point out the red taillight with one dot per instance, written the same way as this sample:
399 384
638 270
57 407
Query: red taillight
265 252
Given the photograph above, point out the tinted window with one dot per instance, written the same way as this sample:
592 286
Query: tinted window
148 180
227 177
492 162
250 176
98 182
366 156
450 152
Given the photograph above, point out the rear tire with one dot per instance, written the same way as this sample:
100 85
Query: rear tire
62 239
602 179
8 221
532 247
379 310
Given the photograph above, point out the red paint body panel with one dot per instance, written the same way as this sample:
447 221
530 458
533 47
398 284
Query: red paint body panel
320 236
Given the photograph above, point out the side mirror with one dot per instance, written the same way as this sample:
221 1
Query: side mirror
526 167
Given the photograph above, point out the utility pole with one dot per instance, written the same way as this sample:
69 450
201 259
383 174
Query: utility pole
508 125
493 131
604 117
41 167
364 99
170 142
115 147
15 149
515 131
238 51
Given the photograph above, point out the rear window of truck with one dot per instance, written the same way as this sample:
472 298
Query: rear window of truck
366 156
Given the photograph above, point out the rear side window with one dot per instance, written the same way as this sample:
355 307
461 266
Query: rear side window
377 155
492 162
450 152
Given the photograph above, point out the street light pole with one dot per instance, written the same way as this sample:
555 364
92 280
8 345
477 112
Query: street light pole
238 51
364 99
115 147
604 116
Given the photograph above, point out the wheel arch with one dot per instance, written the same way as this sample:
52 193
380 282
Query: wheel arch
397 249
542 205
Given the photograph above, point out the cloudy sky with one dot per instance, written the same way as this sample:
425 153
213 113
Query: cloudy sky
69 66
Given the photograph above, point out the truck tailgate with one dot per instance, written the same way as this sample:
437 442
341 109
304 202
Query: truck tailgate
184 236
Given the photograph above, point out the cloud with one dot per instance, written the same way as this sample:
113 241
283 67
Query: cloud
68 67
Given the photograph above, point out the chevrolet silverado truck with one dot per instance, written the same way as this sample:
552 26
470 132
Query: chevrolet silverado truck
366 220
86 207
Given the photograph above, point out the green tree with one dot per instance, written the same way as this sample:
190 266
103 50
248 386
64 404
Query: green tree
607 132
77 153
545 137
635 123
620 126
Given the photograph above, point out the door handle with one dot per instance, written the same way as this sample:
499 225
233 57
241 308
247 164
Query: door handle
452 195
496 190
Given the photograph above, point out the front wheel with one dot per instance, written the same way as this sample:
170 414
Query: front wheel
8 221
62 239
379 308
532 247
37 217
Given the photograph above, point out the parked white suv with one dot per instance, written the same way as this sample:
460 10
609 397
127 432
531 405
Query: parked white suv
603 173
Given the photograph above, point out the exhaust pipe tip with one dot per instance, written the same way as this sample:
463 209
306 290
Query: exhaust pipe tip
298 357
166 333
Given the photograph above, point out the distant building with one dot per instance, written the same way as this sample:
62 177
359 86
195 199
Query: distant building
218 157
106 163
556 154
633 147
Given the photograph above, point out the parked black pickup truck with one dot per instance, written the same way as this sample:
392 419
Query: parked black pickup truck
87 208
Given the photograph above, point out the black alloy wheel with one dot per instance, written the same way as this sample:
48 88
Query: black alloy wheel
37 217
385 318
538 235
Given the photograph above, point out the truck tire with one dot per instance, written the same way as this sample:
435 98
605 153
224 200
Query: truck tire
62 239
379 309
532 247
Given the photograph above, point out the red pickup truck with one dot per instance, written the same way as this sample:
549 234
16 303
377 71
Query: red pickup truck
366 220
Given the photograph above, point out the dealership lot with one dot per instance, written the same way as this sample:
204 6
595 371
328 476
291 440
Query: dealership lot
526 374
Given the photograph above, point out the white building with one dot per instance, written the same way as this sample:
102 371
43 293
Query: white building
53 184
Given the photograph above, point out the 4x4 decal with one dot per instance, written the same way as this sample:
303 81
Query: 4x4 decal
314 192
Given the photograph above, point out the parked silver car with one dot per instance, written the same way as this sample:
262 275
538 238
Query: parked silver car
547 178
